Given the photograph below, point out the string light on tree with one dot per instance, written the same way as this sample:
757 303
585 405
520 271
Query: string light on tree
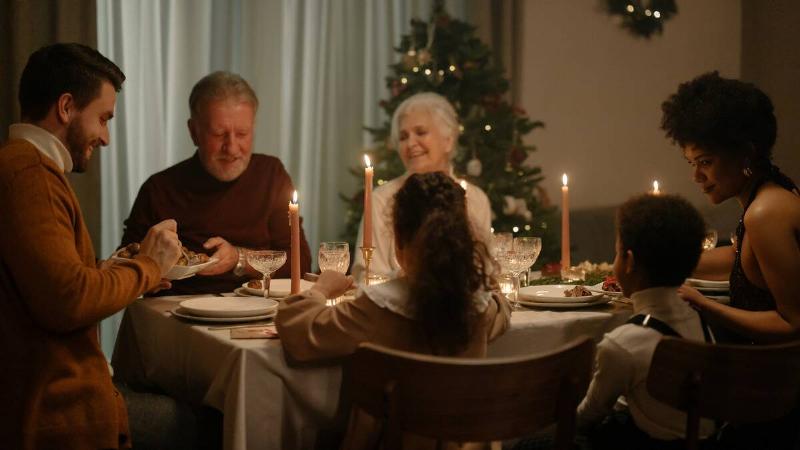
642 17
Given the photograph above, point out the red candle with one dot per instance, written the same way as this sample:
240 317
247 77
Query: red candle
294 221
565 261
368 172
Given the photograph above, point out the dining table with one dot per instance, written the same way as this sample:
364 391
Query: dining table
269 402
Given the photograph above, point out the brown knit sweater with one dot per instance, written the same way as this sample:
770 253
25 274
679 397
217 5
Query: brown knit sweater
251 211
55 386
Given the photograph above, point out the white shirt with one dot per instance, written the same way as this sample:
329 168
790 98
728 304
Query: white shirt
45 142
384 260
623 360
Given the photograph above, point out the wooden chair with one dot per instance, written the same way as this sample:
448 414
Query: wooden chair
470 399
733 383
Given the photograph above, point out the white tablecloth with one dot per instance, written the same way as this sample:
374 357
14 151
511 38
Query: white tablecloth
267 404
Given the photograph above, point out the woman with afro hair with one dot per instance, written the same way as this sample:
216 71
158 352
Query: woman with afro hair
726 129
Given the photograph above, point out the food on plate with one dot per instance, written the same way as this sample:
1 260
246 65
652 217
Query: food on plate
577 291
254 284
188 257
610 284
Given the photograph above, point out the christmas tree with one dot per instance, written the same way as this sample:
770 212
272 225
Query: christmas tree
444 56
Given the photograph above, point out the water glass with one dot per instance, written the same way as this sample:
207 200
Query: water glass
266 262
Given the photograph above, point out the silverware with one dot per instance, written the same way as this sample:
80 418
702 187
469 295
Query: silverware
249 325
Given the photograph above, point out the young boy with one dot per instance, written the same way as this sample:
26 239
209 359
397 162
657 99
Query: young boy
658 244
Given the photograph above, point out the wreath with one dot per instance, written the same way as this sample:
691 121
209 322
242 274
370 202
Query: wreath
640 17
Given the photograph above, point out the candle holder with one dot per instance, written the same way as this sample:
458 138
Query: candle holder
366 252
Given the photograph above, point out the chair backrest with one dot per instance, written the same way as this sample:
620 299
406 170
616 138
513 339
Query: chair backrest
734 383
470 399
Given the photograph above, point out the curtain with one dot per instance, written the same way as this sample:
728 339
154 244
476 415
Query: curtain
317 66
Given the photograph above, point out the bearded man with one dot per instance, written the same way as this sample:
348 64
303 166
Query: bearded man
226 199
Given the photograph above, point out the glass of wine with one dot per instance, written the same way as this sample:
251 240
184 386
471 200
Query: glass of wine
518 259
266 262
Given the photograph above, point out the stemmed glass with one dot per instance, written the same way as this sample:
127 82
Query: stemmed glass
266 262
502 242
514 261
334 256
710 240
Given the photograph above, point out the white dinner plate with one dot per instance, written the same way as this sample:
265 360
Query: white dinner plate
564 305
278 288
177 272
599 287
228 306
553 293
708 283
179 312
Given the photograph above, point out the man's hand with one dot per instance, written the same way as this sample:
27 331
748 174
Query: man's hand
332 284
163 284
162 245
226 254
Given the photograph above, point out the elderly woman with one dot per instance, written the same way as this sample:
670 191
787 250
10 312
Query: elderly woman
425 133
444 305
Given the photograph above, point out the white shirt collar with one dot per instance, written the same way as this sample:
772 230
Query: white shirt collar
655 300
45 142
393 295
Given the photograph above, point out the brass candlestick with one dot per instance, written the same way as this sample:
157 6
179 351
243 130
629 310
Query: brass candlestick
366 252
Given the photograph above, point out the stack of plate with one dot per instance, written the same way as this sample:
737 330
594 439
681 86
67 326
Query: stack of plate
552 297
716 290
226 309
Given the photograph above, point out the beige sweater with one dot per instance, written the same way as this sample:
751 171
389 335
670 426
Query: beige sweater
56 390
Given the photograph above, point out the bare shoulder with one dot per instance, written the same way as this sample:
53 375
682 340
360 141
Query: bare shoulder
773 207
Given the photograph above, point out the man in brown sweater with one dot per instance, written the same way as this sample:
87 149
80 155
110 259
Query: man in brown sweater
55 385
226 199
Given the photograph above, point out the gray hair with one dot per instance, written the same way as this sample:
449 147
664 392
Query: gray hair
220 85
437 106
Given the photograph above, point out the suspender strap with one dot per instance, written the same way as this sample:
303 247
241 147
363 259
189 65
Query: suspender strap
651 322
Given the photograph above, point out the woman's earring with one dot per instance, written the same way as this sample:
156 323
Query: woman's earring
747 171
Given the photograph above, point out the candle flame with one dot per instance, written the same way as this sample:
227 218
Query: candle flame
463 184
294 198
655 187
366 161
564 179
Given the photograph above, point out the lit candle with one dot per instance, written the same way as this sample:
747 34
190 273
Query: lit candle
368 172
655 188
463 184
565 262
294 222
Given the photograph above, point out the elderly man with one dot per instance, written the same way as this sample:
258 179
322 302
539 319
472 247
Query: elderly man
57 390
225 199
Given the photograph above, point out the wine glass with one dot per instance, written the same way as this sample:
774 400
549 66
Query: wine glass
334 256
266 262
530 246
710 240
501 242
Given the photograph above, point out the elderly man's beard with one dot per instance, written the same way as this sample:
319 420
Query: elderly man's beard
80 147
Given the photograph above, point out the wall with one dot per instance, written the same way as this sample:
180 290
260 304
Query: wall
771 60
599 90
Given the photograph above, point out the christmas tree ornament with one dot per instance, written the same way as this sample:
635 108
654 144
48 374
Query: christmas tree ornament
424 56
474 167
